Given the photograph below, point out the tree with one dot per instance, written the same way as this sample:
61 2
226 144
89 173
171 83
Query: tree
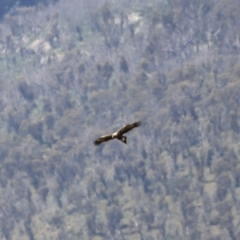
114 216
224 184
26 91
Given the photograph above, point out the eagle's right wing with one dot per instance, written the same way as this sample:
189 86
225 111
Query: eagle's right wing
129 127
103 139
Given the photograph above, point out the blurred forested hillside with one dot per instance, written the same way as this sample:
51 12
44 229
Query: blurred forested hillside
9 6
74 70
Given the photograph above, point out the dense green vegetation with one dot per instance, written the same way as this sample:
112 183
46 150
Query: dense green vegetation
79 69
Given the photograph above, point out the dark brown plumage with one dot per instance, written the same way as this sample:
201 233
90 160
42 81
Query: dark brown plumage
119 134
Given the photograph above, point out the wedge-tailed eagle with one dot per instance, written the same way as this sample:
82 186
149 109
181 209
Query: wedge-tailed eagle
119 134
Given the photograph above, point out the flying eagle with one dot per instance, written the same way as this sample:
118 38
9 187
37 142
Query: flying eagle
118 134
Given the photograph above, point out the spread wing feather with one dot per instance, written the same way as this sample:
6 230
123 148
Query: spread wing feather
129 127
103 139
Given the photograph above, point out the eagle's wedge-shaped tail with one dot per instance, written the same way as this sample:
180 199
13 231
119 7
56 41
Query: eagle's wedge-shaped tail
124 139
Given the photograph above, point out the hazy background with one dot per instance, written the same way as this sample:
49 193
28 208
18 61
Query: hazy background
71 71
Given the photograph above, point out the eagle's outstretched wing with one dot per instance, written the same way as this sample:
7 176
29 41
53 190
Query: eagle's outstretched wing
129 127
102 139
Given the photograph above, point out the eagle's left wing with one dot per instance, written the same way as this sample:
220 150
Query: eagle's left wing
102 139
129 127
